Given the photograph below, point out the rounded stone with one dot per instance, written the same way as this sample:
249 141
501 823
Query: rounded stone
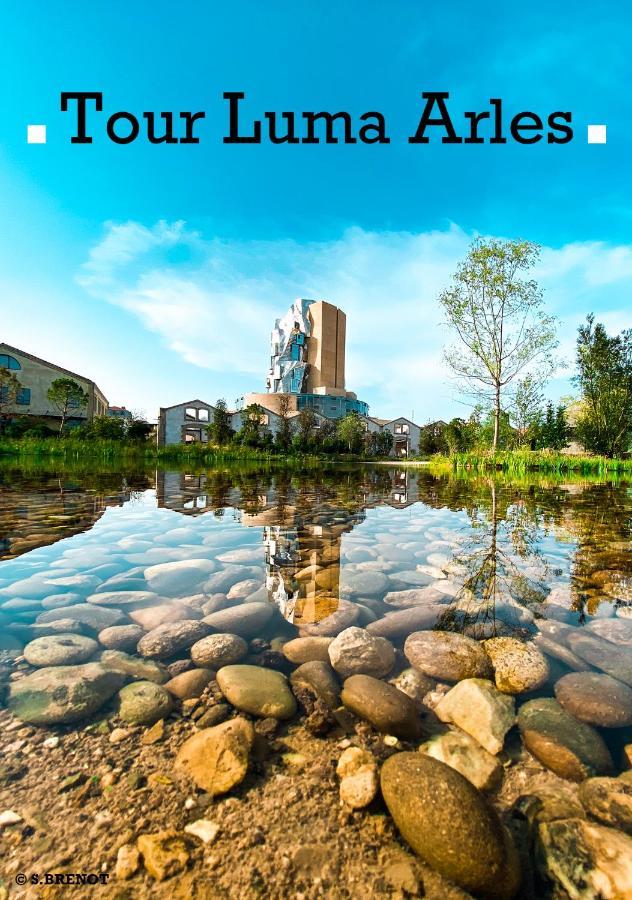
320 678
356 652
121 637
383 705
357 770
446 655
618 631
609 800
461 752
307 649
413 683
562 743
260 692
190 684
476 707
60 650
613 659
95 617
62 694
518 667
219 650
405 621
363 584
143 703
448 823
216 758
151 617
246 619
595 698
345 615
134 667
169 639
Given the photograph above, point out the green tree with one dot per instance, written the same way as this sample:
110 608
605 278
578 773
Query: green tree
285 431
351 432
306 428
66 396
498 318
9 389
604 376
105 428
253 429
525 411
221 430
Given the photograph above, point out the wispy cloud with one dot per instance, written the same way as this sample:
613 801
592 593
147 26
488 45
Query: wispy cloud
214 302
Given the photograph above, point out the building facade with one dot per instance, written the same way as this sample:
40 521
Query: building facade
36 376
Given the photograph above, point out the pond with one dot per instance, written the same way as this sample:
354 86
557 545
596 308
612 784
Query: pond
480 601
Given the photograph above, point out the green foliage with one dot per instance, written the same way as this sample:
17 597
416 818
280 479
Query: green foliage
285 431
253 432
66 396
9 387
221 431
498 319
552 430
521 461
351 431
604 377
525 411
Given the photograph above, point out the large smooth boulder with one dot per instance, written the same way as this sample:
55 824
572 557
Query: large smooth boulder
184 576
151 617
124 598
562 743
260 692
448 823
190 684
96 617
134 667
479 709
345 615
383 705
169 639
121 637
61 694
596 699
307 649
356 652
217 650
246 619
216 759
60 650
446 655
613 659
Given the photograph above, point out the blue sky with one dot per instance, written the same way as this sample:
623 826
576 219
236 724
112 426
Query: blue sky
158 270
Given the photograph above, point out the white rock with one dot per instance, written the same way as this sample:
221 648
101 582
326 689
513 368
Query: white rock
9 817
203 829
356 652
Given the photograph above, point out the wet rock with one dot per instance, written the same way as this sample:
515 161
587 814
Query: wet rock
127 862
60 650
479 709
243 589
62 693
596 699
164 853
415 597
609 800
190 684
387 709
362 584
169 639
246 620
612 659
357 770
345 615
143 703
405 621
124 598
307 649
260 692
551 802
219 650
356 652
321 679
216 759
59 626
96 617
152 616
568 747
134 667
121 637
184 576
56 600
214 715
154 734
518 667
461 752
413 683
222 581
449 825
618 631
558 651
446 655
584 861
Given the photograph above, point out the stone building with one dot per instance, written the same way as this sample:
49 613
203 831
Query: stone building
36 376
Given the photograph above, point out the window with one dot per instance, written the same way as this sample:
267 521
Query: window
196 415
23 397
401 429
203 415
9 362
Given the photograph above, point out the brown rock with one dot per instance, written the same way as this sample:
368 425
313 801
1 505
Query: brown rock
216 759
164 853
190 684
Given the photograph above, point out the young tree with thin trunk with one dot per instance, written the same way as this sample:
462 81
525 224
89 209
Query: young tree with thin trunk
497 315
66 396
9 389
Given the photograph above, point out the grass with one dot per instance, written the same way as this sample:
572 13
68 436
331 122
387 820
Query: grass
522 461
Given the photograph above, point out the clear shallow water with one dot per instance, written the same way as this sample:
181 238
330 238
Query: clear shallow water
495 555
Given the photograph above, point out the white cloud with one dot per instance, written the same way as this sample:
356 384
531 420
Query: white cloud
214 302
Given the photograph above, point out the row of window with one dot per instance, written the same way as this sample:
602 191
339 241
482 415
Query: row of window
23 396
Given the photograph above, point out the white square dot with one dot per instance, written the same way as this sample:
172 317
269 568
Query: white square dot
596 134
36 134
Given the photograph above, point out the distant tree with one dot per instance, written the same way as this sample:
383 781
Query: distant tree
137 429
432 439
351 432
9 389
306 422
221 430
604 376
285 432
384 441
253 429
66 395
525 411
499 321
105 428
